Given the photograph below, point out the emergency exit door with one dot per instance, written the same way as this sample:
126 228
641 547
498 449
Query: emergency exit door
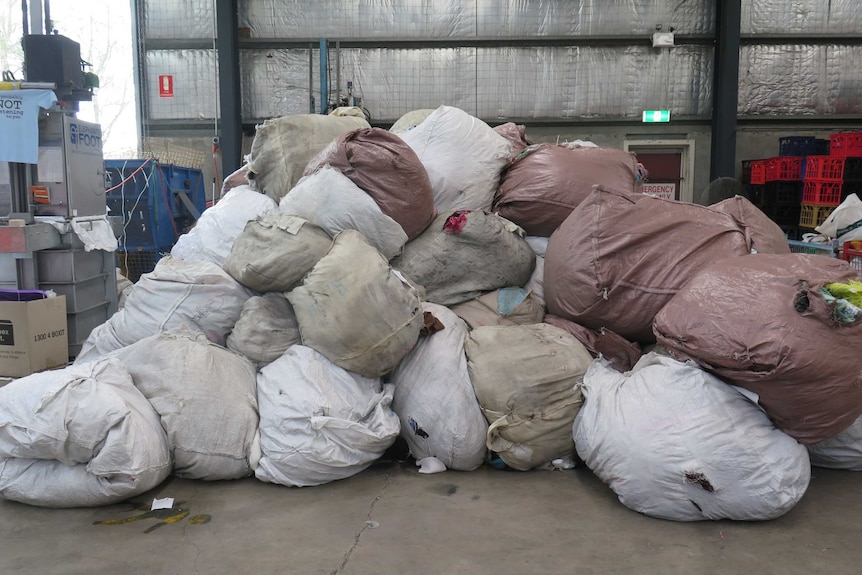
669 163
664 173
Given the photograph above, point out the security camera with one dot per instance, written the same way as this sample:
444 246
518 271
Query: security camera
216 141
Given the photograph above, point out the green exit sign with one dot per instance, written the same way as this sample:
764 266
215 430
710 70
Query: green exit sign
651 116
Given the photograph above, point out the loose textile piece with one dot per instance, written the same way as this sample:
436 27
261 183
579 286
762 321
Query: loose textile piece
675 442
762 323
79 436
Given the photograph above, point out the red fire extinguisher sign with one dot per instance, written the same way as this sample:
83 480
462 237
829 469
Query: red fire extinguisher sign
166 86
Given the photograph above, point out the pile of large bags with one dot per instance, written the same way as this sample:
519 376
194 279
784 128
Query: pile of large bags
483 298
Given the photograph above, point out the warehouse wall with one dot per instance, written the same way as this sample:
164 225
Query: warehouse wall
574 66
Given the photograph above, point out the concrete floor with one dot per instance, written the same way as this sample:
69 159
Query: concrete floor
390 519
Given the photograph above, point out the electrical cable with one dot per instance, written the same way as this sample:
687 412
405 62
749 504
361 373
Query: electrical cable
121 184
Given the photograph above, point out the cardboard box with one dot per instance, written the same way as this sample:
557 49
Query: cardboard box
33 336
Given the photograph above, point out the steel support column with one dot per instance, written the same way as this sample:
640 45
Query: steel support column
230 98
725 89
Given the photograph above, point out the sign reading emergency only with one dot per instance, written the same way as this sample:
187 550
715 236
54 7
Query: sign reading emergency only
166 86
666 191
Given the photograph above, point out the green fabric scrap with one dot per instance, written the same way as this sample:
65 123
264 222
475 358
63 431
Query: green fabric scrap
851 291
843 310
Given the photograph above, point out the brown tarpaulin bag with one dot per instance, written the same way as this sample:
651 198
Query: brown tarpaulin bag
760 322
766 236
620 352
619 258
516 134
544 183
282 147
382 165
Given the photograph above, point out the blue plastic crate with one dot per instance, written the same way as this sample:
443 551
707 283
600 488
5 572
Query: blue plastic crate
146 193
799 247
797 146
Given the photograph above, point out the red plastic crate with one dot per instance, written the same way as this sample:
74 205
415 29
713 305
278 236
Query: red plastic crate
854 256
758 172
783 168
821 193
824 168
845 144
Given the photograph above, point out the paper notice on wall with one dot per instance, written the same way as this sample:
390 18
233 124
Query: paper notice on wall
50 166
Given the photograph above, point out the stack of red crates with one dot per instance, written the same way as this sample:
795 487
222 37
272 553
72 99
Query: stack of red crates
826 181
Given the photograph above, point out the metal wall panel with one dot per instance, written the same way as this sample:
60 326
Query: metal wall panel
843 80
194 81
801 16
359 18
780 80
178 19
275 82
471 18
501 83
593 17
394 82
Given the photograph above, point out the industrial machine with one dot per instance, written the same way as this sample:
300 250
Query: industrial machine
157 202
51 200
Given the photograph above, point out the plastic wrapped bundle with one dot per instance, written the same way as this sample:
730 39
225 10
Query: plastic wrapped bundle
844 451
516 134
620 257
463 157
265 329
675 442
544 183
465 254
357 311
766 236
219 226
318 422
329 200
177 293
282 147
388 170
619 351
764 323
205 396
527 379
275 251
434 399
507 306
78 437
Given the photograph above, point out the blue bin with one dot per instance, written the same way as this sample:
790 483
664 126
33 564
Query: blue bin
146 193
